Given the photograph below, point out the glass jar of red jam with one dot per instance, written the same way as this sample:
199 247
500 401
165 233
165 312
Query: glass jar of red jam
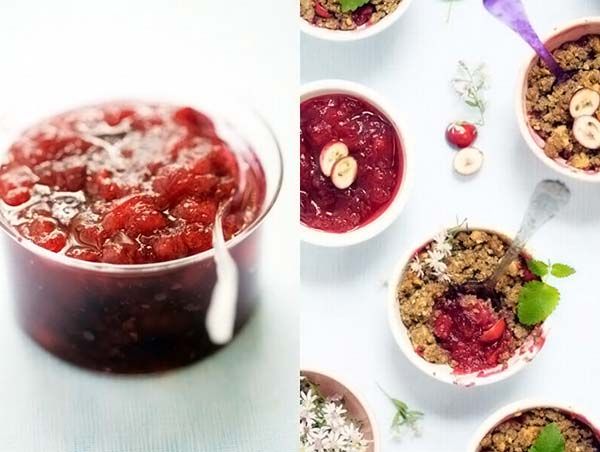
110 209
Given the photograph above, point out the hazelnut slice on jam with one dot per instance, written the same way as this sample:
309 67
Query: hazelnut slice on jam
344 172
330 154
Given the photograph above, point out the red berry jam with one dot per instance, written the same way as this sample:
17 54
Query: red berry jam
127 184
472 332
371 140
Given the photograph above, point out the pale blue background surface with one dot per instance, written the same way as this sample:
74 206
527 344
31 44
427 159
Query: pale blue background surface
344 325
65 52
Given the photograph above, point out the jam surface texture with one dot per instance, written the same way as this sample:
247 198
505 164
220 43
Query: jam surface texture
127 184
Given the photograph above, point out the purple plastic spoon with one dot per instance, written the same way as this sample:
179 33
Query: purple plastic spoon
513 14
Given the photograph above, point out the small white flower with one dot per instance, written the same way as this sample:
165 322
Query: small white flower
334 415
444 248
435 261
336 441
441 245
441 236
438 267
307 416
433 256
308 400
417 267
318 437
356 441
353 433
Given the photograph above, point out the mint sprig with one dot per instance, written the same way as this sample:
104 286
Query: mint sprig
538 299
550 440
352 5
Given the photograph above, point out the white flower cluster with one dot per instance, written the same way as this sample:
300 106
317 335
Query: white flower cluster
438 250
324 424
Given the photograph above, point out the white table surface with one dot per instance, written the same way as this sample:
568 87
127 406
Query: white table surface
244 398
344 325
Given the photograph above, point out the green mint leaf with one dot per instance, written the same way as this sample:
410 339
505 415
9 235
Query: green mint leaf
562 270
537 301
538 268
352 5
550 440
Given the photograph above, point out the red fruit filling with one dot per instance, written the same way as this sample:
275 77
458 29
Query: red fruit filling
127 184
321 11
363 14
472 332
371 139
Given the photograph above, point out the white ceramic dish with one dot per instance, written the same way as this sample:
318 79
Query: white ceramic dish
515 408
360 33
442 372
569 32
358 410
386 218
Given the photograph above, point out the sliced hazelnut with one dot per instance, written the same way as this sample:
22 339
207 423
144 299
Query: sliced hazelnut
330 154
344 172
468 161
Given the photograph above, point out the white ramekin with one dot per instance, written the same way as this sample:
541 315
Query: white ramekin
354 403
509 411
386 218
443 372
354 35
569 32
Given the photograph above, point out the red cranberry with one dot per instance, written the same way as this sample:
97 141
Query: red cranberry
321 11
363 14
461 134
494 333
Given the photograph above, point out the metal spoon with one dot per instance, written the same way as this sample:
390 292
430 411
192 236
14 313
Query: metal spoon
513 14
220 318
548 198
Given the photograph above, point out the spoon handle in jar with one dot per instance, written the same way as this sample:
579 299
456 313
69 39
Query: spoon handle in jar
220 318
548 198
512 13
